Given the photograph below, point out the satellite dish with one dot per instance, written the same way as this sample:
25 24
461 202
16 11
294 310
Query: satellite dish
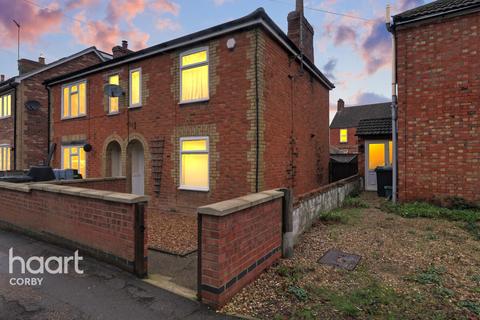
32 105
87 147
113 90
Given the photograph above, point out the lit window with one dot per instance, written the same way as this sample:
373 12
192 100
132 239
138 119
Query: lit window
73 157
194 76
376 155
5 106
343 135
135 88
4 158
194 163
113 101
74 102
390 153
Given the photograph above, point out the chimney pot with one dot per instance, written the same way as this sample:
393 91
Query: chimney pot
340 105
300 31
124 44
41 59
2 77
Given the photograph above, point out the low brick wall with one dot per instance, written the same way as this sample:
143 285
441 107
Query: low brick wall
307 207
104 224
115 184
238 240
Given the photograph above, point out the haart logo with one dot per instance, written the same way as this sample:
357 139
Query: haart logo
39 265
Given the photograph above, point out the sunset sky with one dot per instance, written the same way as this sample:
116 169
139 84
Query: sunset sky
353 53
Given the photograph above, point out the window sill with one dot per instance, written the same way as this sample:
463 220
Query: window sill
194 101
194 189
73 118
7 117
113 114
135 106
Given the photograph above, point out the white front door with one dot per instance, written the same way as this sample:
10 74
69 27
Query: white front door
138 170
377 154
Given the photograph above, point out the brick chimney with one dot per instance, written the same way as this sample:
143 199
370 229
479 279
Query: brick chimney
340 105
300 31
26 65
122 50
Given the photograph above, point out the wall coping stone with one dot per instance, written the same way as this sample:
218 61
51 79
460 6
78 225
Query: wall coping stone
80 181
77 192
227 207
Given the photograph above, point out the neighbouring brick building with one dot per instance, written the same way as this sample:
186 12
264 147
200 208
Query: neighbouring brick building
214 115
344 125
24 108
438 67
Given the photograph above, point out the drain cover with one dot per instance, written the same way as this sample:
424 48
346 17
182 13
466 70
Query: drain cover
340 259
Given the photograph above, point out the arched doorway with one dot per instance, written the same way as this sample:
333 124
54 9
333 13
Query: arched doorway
136 167
114 160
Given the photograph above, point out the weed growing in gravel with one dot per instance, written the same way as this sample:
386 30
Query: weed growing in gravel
425 210
471 305
351 202
343 216
293 273
298 292
432 275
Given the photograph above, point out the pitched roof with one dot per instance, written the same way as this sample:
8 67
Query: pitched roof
17 79
257 18
435 8
374 127
349 117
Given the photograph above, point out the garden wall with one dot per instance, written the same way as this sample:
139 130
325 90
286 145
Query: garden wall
114 184
307 207
104 224
238 240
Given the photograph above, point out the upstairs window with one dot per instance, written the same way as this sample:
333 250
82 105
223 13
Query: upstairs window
343 135
113 101
74 100
73 157
194 168
135 88
194 76
5 106
4 158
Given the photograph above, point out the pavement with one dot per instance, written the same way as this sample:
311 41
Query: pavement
101 292
181 270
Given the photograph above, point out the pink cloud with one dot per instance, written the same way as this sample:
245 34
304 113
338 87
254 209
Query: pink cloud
105 36
167 24
76 4
34 21
166 6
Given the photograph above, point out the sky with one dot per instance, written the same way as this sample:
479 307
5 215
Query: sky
353 49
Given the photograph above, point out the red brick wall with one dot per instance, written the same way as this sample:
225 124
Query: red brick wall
32 126
109 184
439 106
228 119
296 124
237 248
352 142
103 228
7 128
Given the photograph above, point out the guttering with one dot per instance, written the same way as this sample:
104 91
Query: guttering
391 28
259 21
435 15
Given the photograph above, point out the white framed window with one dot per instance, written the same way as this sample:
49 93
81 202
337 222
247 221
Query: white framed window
5 106
194 76
113 101
343 135
74 157
135 95
74 100
5 160
194 163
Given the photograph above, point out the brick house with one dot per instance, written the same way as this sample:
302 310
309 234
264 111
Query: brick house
438 74
220 113
344 125
24 108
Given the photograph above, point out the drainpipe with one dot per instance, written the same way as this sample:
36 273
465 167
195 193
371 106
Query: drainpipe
257 117
14 104
49 107
391 29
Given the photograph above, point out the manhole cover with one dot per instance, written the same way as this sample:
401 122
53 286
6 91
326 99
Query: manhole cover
340 259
